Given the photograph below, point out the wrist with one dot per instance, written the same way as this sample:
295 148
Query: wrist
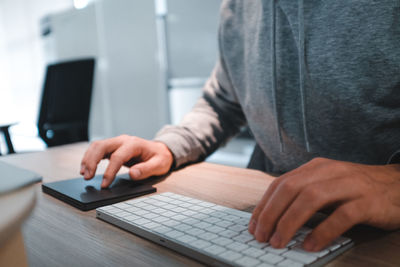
166 154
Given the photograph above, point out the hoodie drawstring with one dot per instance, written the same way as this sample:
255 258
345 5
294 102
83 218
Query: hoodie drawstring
302 66
302 75
273 74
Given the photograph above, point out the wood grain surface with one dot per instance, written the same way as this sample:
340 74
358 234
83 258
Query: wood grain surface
57 234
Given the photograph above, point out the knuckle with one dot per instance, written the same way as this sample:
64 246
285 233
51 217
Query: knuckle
289 186
312 194
349 214
95 145
117 158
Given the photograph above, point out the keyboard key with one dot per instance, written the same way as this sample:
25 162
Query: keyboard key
206 204
162 229
297 256
188 213
124 214
141 212
170 223
180 217
222 241
230 255
132 209
200 216
191 221
216 229
122 205
195 231
141 221
149 207
160 219
202 225
277 251
231 218
265 265
200 244
242 221
208 236
218 214
214 249
244 237
132 218
227 233
141 204
236 246
212 220
159 210
185 205
169 214
271 258
224 224
318 254
247 261
237 228
150 215
182 227
152 225
174 234
186 239
256 244
253 252
290 263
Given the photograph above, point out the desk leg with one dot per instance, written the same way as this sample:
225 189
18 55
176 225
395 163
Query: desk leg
8 141
12 253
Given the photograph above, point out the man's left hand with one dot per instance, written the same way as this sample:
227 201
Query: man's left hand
360 194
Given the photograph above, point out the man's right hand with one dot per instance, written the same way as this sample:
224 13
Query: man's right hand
145 158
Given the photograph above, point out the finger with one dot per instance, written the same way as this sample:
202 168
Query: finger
117 159
313 198
314 164
260 205
95 153
345 217
151 167
284 195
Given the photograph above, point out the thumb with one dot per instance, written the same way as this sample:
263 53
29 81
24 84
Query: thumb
145 169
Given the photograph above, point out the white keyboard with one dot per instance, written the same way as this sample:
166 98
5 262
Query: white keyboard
210 233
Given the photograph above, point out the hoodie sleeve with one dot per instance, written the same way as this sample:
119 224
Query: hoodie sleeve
216 117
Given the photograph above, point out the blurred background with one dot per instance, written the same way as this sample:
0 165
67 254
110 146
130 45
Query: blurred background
142 64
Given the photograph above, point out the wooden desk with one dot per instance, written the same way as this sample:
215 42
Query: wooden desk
59 235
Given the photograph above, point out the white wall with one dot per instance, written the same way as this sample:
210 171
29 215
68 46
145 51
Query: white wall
22 56
21 60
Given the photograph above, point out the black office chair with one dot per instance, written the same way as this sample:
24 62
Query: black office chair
66 98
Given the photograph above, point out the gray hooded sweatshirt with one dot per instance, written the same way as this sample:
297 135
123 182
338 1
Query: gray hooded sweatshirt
311 78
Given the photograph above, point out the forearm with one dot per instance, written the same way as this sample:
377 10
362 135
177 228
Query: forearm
201 132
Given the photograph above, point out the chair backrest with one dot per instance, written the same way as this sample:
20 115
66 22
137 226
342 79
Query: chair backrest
66 99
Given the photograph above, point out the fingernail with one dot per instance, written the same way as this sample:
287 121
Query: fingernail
135 173
82 171
103 184
252 226
87 174
275 240
310 245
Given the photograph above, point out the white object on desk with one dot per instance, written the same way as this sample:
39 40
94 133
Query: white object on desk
15 207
